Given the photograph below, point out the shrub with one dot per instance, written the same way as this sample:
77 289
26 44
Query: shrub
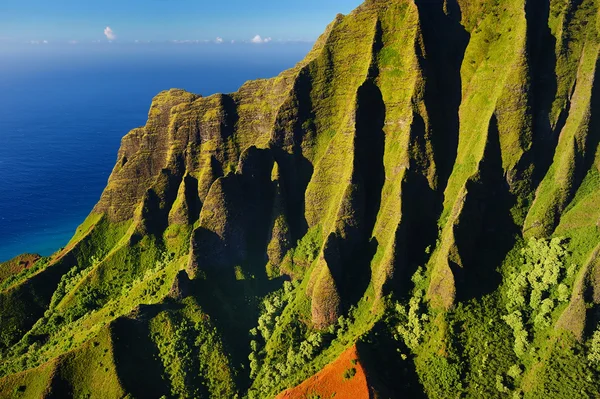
272 307
308 248
594 350
534 290
349 373
411 325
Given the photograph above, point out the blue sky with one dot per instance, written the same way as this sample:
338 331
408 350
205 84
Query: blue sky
166 20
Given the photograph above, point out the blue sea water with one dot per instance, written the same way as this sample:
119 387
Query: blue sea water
64 110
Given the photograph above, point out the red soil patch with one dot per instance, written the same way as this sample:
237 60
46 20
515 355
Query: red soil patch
17 265
345 378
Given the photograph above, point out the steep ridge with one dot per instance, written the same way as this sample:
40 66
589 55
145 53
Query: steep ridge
424 183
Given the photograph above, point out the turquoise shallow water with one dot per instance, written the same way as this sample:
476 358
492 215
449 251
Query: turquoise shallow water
63 112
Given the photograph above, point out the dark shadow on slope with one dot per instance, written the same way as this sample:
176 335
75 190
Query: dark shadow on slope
230 116
420 211
257 194
593 134
24 304
486 230
541 47
137 359
389 374
375 50
369 149
358 248
59 388
585 157
445 41
232 265
241 211
192 199
295 125
160 198
592 313
227 109
296 172
206 250
234 306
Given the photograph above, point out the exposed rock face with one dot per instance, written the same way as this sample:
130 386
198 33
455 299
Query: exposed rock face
417 135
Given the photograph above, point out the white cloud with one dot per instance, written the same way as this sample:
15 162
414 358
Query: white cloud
187 41
109 33
258 39
219 40
38 42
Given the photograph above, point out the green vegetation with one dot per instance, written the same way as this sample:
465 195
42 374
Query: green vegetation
533 292
23 275
421 188
349 373
191 353
594 354
411 325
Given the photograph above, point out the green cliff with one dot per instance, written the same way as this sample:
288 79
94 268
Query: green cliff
423 185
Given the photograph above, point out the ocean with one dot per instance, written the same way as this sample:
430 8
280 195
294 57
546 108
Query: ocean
64 110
